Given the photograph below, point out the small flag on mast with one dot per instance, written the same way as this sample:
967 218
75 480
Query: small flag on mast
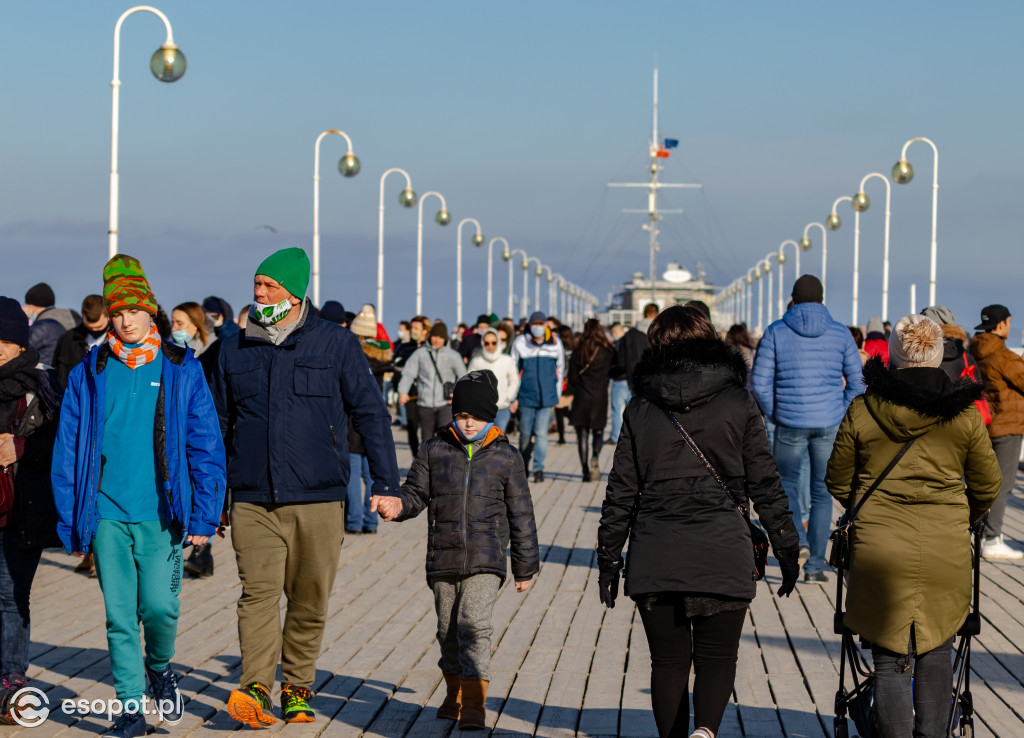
671 143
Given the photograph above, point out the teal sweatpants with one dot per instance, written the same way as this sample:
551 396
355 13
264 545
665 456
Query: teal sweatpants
139 568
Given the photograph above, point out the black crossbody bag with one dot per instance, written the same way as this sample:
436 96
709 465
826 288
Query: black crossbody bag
839 556
447 387
758 538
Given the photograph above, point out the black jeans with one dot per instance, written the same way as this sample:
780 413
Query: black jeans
710 643
584 448
433 419
918 710
17 570
412 426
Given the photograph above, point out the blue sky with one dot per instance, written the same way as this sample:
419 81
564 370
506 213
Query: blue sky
519 113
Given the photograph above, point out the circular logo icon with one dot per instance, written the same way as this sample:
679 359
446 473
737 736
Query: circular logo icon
29 707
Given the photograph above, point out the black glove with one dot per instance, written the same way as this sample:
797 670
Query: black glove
790 567
608 584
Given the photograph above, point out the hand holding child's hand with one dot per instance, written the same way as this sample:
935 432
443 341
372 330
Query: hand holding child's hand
388 508
523 586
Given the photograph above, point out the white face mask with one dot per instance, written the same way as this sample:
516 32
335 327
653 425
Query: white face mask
270 314
537 331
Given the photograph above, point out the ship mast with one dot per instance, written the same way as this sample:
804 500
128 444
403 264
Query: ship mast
656 152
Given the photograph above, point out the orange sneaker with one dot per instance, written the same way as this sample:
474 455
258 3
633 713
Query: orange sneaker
295 704
251 705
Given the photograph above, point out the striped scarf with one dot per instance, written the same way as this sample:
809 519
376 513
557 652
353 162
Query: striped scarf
136 355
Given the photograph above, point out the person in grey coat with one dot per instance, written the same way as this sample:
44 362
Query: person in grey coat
431 367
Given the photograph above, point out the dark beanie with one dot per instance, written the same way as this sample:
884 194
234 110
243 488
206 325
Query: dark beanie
334 312
808 289
13 322
40 296
476 393
439 329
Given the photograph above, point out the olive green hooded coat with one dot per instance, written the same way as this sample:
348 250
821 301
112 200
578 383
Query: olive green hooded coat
911 542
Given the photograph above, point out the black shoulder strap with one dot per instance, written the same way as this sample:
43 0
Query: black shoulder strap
436 371
874 485
704 460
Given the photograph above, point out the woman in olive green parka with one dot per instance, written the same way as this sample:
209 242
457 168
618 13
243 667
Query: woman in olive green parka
910 574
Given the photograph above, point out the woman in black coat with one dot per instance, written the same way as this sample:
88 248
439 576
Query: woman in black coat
589 369
690 560
29 409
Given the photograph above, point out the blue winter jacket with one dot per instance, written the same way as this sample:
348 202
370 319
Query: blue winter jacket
189 447
284 411
800 368
541 370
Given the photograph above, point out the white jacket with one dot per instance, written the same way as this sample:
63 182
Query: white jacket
504 368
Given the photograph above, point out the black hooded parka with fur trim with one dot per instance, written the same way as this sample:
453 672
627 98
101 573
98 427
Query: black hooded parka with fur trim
684 533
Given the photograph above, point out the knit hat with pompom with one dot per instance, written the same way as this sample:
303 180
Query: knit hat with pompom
915 341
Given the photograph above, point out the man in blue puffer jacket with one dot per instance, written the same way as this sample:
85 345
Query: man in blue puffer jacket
541 361
806 372
138 467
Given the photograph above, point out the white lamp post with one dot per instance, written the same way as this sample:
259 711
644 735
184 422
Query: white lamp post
349 167
442 218
902 173
478 240
536 288
507 256
752 273
833 222
490 269
556 281
167 65
781 258
805 244
766 267
861 202
407 198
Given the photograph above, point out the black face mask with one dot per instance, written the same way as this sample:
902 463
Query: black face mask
97 333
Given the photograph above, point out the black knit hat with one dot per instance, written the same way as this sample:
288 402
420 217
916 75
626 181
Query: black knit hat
808 289
476 393
334 312
439 329
40 296
13 322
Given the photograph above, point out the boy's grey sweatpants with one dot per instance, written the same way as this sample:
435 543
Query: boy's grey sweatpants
464 606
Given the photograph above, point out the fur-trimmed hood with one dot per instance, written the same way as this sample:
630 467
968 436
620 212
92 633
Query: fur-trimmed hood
688 372
907 402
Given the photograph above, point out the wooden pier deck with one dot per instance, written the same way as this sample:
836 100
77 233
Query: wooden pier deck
563 665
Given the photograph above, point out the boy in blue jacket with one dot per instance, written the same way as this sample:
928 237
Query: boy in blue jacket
138 467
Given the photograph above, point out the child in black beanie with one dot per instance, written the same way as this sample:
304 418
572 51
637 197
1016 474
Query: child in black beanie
474 484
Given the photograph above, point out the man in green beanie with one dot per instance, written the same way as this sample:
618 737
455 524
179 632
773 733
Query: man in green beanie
284 389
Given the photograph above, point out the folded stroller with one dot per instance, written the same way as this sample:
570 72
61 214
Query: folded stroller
857 702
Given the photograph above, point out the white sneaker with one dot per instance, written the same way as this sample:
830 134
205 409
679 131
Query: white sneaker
994 549
702 733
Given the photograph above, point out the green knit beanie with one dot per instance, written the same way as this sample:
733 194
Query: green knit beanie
289 268
125 286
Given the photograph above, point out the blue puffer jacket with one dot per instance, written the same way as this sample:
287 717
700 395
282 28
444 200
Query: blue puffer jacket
800 368
541 370
189 447
284 411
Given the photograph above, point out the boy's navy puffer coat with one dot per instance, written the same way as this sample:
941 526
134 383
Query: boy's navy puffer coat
475 507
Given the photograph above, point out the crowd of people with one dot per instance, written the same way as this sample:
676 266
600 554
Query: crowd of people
130 436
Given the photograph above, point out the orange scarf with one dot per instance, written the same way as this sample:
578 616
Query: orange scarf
139 354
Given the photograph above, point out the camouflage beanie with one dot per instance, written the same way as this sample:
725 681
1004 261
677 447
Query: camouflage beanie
125 286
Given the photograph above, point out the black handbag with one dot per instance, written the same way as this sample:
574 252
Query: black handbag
839 555
758 538
447 387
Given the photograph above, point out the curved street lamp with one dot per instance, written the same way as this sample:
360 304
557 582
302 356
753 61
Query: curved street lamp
766 267
902 173
833 222
508 256
781 258
862 202
526 283
442 218
806 244
555 281
167 65
349 167
406 198
490 268
752 273
478 240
